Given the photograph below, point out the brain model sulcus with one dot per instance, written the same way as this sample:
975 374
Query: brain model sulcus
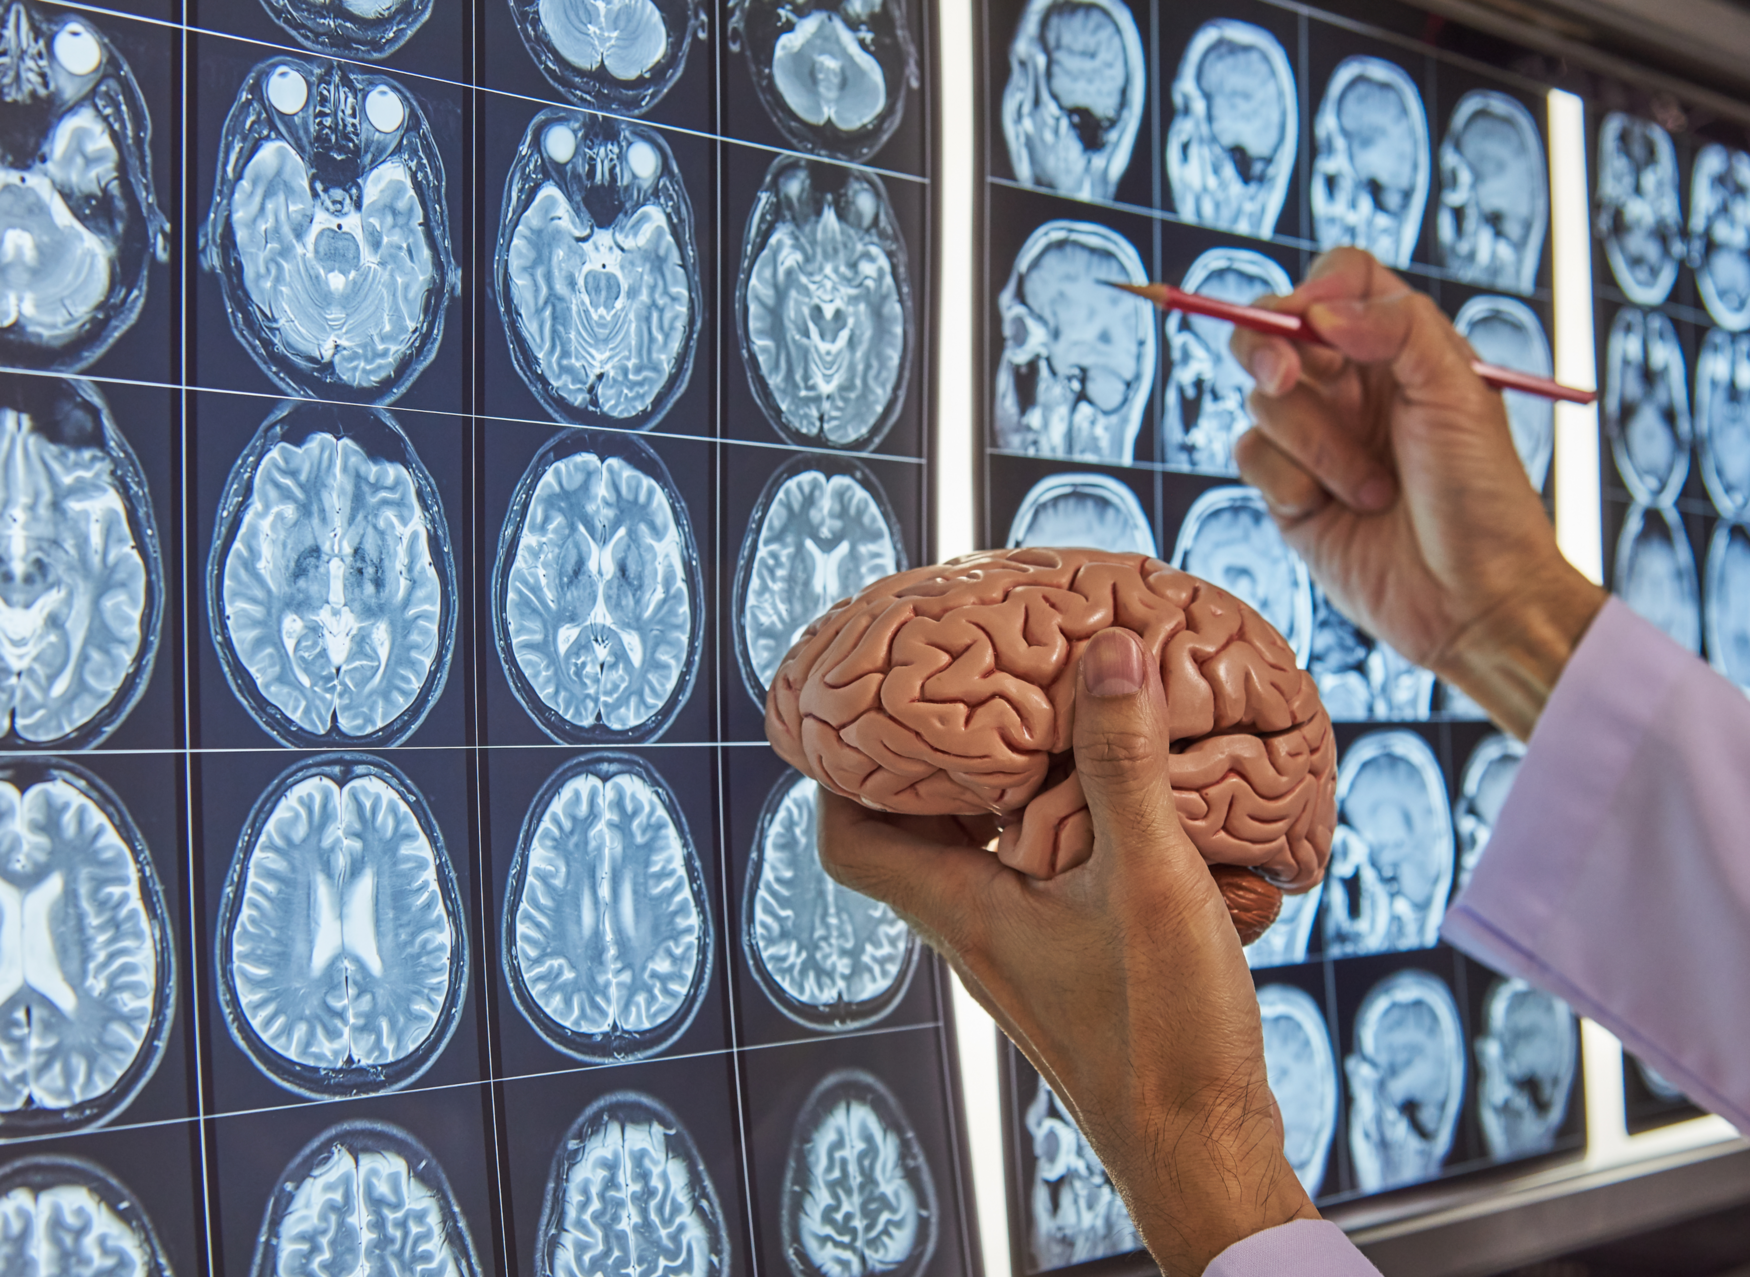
951 690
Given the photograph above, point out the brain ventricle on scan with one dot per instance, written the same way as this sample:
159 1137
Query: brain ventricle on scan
951 689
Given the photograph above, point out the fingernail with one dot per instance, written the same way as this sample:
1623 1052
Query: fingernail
1375 494
1112 664
1269 368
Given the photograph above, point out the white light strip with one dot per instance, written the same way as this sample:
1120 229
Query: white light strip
1579 524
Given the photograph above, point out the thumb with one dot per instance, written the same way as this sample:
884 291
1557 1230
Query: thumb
1404 330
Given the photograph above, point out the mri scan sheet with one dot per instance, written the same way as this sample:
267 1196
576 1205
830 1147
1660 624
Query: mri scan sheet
1228 537
350 28
1289 938
1646 404
1526 1060
1638 213
1655 572
1494 193
1372 168
1083 509
1302 1068
1719 234
1362 680
1488 779
1726 622
1075 1212
1722 420
620 56
1505 331
66 1215
1406 1080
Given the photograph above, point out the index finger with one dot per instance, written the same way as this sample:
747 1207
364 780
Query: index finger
1342 274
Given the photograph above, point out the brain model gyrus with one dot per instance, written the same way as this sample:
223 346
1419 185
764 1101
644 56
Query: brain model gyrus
950 690
61 1216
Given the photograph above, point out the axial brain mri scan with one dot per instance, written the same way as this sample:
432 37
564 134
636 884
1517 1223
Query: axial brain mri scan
1078 84
1646 404
858 1197
823 305
1362 680
1638 215
607 934
621 56
65 1215
328 230
826 956
1719 234
1371 169
1406 1081
1655 573
331 585
629 1196
1722 420
1078 357
1302 1071
1505 331
1726 621
1482 792
1076 1213
1526 1058
1229 539
598 597
1235 130
597 274
350 28
1084 508
342 948
1206 390
1494 193
80 219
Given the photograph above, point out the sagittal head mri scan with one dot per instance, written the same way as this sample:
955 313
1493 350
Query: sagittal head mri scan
826 956
1482 792
1078 84
598 598
1526 1059
1076 1213
1646 405
1289 938
597 274
1302 1070
629 1194
607 934
823 304
328 230
1727 616
1406 1081
1078 357
1362 680
613 55
1494 193
1371 171
1206 391
858 1197
1719 234
1229 538
1722 420
350 28
1392 858
1082 509
342 949
67 1215
331 585
1235 130
1655 572
1638 215
1505 331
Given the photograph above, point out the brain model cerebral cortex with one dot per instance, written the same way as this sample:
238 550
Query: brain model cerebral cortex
951 690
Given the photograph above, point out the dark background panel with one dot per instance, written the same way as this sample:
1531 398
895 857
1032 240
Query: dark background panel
1644 1108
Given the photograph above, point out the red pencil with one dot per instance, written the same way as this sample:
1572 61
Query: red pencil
1294 327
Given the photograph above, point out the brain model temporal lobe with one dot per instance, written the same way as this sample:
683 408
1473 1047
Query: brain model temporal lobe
61 1216
350 28
597 275
607 936
81 577
342 950
331 589
365 1197
615 55
629 1196
824 304
79 219
949 690
87 976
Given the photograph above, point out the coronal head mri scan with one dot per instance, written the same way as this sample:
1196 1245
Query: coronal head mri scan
365 1197
629 1196
820 532
1722 420
342 949
1638 214
1526 1058
1507 332
1302 1069
1372 161
65 1215
1406 1081
858 1196
823 304
331 586
1727 617
1076 1213
1228 538
1719 234
81 573
1646 404
1287 941
826 956
1078 84
598 599
1494 193
1482 792
1362 680
1082 509
1392 857
350 28
597 274
607 933
1206 390
79 218
1235 130
87 961
1078 357
1655 572
328 230
614 55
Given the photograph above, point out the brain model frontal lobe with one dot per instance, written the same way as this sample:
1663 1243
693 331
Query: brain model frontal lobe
64 1217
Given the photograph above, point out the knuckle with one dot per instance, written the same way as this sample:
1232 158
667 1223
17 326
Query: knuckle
1116 753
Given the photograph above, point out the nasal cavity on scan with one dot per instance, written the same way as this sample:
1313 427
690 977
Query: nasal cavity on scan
65 1215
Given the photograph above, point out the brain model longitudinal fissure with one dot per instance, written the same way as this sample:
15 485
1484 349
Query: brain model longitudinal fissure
951 690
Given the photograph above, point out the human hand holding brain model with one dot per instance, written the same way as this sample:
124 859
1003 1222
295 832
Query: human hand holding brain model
950 690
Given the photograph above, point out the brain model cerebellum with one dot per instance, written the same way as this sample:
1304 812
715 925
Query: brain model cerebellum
65 1215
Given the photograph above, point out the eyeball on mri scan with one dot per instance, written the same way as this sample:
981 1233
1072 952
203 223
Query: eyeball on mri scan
1371 171
1302 1071
1646 404
1494 193
342 948
597 274
1406 1081
80 221
1078 357
1076 1212
1362 680
858 1197
1722 420
331 585
1206 389
1229 539
1235 130
823 305
1078 84
1655 573
1637 213
607 934
65 1215
350 28
598 600
1082 509
1526 1057
1726 619
1507 332
621 56
1719 234
1482 792
329 232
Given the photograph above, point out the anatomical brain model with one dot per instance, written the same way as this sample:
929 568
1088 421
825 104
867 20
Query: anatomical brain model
951 690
